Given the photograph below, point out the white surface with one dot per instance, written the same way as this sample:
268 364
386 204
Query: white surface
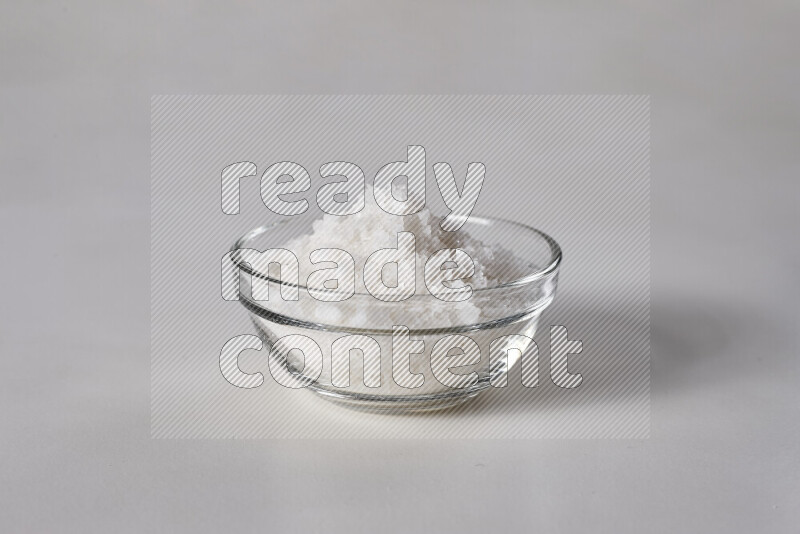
76 453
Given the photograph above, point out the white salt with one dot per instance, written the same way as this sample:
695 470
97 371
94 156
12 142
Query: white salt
371 229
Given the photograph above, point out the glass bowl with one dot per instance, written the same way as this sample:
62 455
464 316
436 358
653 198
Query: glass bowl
509 313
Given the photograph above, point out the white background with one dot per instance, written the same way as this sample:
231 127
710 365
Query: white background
74 334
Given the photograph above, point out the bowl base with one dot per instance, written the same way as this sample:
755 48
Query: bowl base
396 404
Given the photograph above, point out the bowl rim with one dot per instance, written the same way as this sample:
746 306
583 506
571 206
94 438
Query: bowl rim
552 266
274 317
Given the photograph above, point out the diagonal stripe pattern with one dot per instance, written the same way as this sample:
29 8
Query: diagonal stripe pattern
576 166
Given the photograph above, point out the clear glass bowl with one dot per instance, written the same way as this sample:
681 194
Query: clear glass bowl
512 307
